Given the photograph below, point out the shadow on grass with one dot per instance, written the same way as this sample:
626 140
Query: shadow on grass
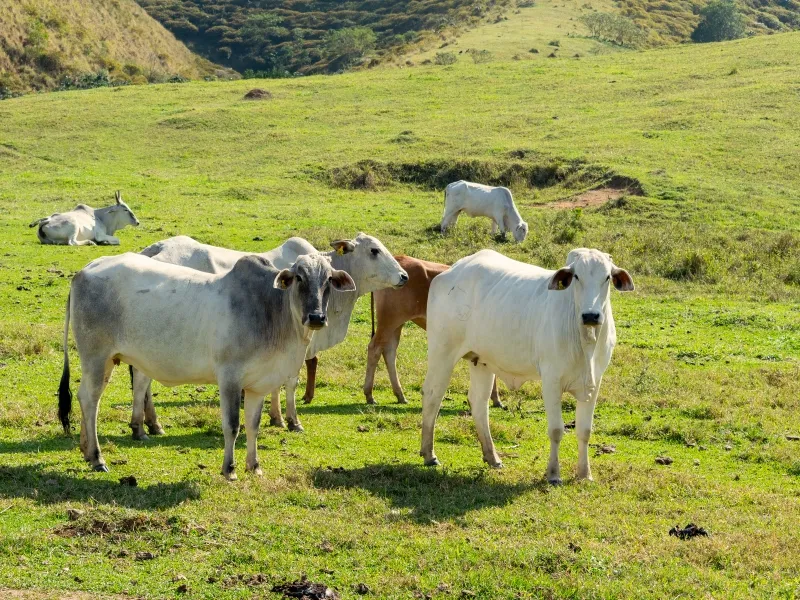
431 494
203 438
50 487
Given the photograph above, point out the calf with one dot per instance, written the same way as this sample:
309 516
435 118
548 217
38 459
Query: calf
478 200
366 260
86 225
247 331
393 309
521 323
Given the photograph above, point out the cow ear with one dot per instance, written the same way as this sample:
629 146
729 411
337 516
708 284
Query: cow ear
342 282
118 197
561 279
343 246
284 279
622 280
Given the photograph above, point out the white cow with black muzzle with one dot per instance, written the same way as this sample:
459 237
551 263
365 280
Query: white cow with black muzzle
364 258
246 331
477 200
523 323
86 226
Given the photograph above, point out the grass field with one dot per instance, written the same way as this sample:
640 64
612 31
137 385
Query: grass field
706 370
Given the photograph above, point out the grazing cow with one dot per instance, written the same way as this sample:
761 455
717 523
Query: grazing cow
366 260
521 323
394 308
247 330
86 226
478 200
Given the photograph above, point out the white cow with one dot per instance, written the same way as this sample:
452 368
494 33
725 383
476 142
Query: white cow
478 200
365 258
523 323
86 226
246 330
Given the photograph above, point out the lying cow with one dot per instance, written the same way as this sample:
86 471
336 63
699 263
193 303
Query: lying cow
366 260
394 308
522 322
247 330
478 200
86 226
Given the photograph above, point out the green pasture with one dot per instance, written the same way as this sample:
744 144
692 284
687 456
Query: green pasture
706 369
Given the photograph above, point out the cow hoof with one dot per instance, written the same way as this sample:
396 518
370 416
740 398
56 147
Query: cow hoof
296 427
402 401
433 462
499 405
140 437
555 482
273 422
307 400
100 469
232 477
155 429
371 401
497 465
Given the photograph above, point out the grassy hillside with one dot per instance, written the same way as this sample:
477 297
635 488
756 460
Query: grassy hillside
42 40
289 35
674 21
706 371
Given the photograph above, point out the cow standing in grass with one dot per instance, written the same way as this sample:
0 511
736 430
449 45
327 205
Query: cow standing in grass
478 200
247 331
521 323
393 308
86 226
365 258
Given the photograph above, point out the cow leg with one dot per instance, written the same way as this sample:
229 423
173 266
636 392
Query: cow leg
150 416
291 407
275 414
390 357
496 396
494 227
106 240
253 405
374 351
230 394
433 390
551 391
584 415
449 219
311 380
480 386
73 241
140 385
94 378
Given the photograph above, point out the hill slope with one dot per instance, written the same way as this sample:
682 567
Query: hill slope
41 40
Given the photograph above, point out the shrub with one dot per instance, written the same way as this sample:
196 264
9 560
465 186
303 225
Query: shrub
720 21
613 28
349 44
445 58
86 81
481 56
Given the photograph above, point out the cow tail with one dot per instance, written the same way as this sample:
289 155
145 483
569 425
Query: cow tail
36 222
64 393
372 310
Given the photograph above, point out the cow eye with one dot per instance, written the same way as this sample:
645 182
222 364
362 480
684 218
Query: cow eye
375 252
608 278
299 279
576 278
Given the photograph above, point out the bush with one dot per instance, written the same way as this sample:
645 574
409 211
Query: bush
720 21
86 81
481 56
613 28
349 44
445 58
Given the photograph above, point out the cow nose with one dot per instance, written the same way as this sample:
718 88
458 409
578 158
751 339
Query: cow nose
590 318
403 279
317 320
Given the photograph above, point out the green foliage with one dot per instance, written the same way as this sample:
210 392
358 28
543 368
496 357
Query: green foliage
445 58
614 28
719 21
85 81
275 36
345 46
38 36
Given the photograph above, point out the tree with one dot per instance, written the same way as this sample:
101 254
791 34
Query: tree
349 44
719 21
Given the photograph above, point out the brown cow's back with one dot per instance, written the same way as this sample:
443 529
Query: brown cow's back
393 307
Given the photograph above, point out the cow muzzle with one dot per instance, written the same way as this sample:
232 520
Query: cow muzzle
403 281
316 320
591 319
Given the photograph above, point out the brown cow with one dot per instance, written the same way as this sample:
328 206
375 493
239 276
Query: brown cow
393 309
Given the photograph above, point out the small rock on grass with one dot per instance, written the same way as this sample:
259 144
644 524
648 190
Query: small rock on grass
663 460
363 428
145 556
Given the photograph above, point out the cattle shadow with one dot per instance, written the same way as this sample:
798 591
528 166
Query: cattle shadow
44 486
207 439
431 494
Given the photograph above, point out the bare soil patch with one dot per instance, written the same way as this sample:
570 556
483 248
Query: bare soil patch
258 94
614 189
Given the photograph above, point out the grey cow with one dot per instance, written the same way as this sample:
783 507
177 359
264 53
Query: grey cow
86 226
247 330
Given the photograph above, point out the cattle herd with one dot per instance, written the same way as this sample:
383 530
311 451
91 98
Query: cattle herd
182 312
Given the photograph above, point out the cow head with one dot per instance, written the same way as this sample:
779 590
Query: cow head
521 232
590 275
310 281
370 263
121 214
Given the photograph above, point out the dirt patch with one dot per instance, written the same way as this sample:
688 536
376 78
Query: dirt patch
614 191
258 94
307 590
101 523
437 174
